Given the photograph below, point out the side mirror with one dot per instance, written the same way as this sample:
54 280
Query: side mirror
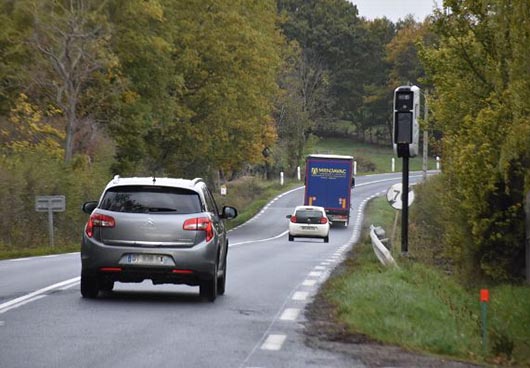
88 207
352 182
229 212
288 216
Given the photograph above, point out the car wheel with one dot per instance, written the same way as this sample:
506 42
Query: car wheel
326 239
221 281
208 288
89 286
291 238
106 285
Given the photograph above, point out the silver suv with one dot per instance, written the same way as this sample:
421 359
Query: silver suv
162 229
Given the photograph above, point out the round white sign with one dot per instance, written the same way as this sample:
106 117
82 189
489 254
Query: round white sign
394 193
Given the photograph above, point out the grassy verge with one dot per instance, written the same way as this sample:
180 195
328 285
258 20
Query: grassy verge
248 195
424 310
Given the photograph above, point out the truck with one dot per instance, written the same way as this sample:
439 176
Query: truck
328 183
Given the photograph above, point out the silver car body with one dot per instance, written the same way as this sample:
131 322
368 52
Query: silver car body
163 229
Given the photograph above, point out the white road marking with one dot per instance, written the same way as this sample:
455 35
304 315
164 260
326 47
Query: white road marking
22 303
290 314
4 307
320 268
315 273
273 342
309 282
260 240
300 295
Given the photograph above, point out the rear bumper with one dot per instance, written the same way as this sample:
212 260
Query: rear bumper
191 264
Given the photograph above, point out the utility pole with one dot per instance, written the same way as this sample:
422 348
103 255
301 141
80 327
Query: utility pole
425 136
527 240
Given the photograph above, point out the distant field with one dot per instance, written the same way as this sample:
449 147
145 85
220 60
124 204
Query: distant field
379 156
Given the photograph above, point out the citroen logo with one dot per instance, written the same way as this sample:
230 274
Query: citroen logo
149 222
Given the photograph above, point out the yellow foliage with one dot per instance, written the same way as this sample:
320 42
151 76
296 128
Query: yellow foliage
32 129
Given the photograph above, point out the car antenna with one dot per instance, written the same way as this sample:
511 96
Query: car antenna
154 179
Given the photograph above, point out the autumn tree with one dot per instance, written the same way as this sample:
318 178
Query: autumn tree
476 70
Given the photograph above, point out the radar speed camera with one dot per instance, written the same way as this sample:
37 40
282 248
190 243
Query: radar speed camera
405 132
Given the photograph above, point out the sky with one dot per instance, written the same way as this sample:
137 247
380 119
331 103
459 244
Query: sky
395 9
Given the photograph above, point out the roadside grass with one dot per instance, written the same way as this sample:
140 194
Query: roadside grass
40 250
364 153
424 310
248 194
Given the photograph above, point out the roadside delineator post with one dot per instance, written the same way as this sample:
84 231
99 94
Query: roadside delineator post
484 300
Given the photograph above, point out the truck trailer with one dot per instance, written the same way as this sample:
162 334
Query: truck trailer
328 183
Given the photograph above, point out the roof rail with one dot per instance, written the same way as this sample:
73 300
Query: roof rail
197 180
116 179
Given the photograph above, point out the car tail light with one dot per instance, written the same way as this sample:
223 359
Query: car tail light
293 219
200 224
98 220
323 220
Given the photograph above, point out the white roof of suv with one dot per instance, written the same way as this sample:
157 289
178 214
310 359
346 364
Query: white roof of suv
151 180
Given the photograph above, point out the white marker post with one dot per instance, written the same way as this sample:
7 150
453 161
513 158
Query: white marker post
281 178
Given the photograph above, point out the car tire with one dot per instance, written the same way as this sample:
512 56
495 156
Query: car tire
89 286
106 285
208 288
221 281
291 238
326 239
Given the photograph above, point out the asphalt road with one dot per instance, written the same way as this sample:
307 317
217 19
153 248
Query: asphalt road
44 322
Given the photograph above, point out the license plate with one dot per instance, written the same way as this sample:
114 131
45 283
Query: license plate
309 227
147 260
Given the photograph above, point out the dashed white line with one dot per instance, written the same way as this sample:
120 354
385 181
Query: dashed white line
315 273
320 268
300 295
290 314
309 282
273 342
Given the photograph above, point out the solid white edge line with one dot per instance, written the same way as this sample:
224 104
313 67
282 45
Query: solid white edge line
4 306
23 303
260 240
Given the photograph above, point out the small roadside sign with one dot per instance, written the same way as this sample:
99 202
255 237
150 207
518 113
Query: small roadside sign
50 204
54 203
394 196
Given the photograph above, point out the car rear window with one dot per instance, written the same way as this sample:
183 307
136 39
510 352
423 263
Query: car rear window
143 199
304 214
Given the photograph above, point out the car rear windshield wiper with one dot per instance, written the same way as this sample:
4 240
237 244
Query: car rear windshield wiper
161 209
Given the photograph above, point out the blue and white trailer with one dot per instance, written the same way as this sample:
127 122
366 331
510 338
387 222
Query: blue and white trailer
328 184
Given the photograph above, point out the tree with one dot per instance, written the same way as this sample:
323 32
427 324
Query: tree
71 43
475 69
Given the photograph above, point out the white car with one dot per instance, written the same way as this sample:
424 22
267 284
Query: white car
309 222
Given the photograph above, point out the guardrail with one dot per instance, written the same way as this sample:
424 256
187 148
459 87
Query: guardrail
380 250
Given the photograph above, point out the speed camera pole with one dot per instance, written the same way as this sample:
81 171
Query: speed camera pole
405 141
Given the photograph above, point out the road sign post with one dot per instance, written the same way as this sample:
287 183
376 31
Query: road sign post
405 141
401 197
50 204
